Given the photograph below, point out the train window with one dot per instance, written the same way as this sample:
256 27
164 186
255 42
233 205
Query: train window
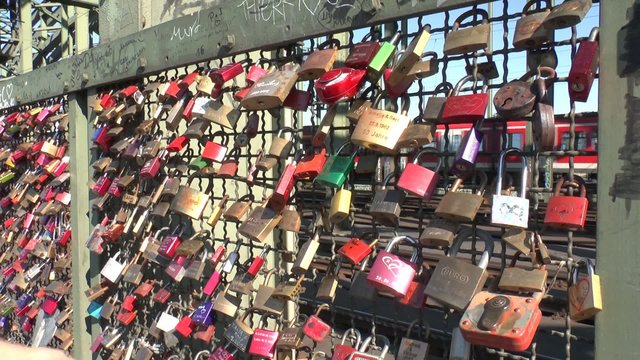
515 140
566 137
455 142
581 140
594 140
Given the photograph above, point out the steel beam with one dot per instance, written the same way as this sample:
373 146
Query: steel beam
618 139
231 28
26 37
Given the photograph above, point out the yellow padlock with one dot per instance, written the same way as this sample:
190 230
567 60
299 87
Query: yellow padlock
340 206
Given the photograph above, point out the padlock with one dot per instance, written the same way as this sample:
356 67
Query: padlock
195 267
387 204
260 223
363 101
196 129
584 67
320 61
255 72
167 321
488 321
305 255
339 84
298 100
204 315
171 242
263 300
229 166
585 297
226 303
392 274
567 14
411 55
467 153
543 120
466 108
238 333
418 180
217 112
515 99
461 207
292 336
282 192
383 57
112 270
315 328
342 351
518 280
280 145
435 105
176 268
379 130
291 219
364 352
529 32
439 232
356 249
311 163
228 72
190 202
213 151
567 212
337 168
324 127
340 206
192 246
416 135
412 348
361 54
271 90
511 211
454 282
470 39
264 340
223 353
329 283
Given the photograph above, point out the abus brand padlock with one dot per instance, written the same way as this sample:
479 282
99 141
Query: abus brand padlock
567 212
471 39
529 31
467 153
584 67
466 108
380 130
459 206
567 14
418 180
319 61
337 168
364 353
454 282
491 320
585 297
387 204
392 274
339 84
511 211
342 351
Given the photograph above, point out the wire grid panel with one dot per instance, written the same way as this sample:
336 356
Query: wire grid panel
381 316
36 252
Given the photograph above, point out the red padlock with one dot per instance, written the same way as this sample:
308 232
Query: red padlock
213 151
466 108
186 326
228 72
415 296
171 242
101 139
342 351
102 185
258 261
107 101
27 325
189 79
567 212
175 91
129 302
255 73
229 167
114 189
283 189
584 67
50 305
212 284
177 144
125 317
362 53
315 328
223 353
418 180
187 112
151 168
297 100
263 342
64 239
128 91
489 320
43 116
311 164
356 249
392 274
339 84
240 94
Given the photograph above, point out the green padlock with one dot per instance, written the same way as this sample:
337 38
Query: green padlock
6 176
337 168
382 58
198 164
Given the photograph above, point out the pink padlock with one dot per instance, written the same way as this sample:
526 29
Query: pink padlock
392 274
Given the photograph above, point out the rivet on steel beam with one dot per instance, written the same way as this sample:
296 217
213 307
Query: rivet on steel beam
142 62
85 77
65 85
18 98
231 41
375 6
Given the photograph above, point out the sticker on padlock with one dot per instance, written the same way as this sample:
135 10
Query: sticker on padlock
511 211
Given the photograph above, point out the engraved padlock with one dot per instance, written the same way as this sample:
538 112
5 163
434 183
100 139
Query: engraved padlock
511 211
392 274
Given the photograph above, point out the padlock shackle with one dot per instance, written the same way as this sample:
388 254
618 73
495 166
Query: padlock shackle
285 130
594 35
405 104
396 38
501 169
467 233
561 182
483 13
268 275
433 54
444 87
426 150
365 344
526 10
200 234
388 178
206 353
483 182
415 256
584 263
220 133
468 78
322 307
332 41
354 333
337 153
419 323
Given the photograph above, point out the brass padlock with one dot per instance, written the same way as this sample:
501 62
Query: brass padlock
439 232
340 206
271 90
291 220
567 14
263 301
238 209
417 134
329 283
260 223
529 32
517 279
191 202
306 254
462 207
380 130
470 39
281 146
319 61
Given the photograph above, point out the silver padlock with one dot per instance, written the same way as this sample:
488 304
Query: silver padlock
511 211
